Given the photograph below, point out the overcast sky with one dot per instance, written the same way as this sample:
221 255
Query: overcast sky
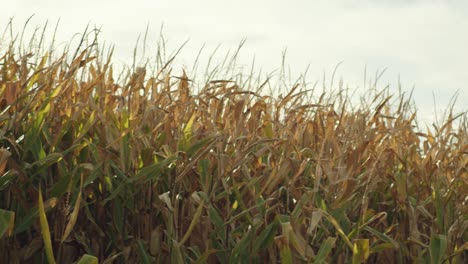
421 42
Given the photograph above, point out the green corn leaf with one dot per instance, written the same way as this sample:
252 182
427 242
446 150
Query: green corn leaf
45 230
7 223
176 253
47 161
361 250
88 259
325 250
195 220
240 250
82 130
268 130
218 222
186 139
282 243
440 208
382 237
154 170
194 148
144 257
380 247
338 228
437 248
31 216
266 237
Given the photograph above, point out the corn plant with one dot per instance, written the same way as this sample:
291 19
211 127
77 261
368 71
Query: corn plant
156 168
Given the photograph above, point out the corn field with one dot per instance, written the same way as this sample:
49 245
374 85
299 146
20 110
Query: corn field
156 168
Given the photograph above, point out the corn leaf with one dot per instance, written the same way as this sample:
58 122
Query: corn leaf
7 223
45 230
88 259
325 250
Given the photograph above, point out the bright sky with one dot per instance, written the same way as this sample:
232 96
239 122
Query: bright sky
422 43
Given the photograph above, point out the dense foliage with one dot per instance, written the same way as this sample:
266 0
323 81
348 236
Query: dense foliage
150 169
